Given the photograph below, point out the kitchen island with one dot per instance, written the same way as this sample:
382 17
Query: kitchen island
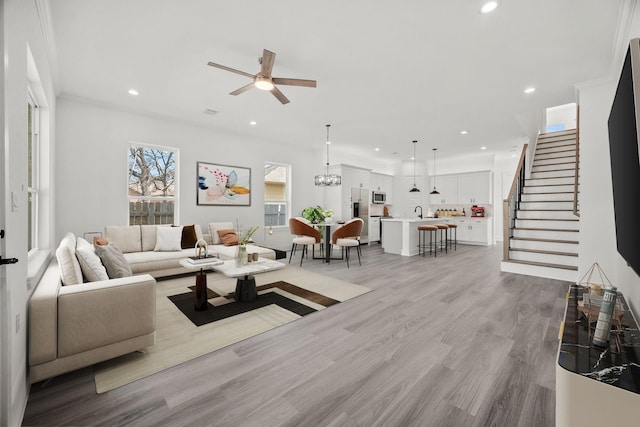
400 235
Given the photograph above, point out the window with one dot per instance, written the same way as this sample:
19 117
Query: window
152 185
33 123
276 194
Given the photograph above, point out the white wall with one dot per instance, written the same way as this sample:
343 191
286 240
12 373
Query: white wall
22 33
597 223
92 172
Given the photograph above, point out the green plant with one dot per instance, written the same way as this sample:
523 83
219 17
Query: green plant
314 214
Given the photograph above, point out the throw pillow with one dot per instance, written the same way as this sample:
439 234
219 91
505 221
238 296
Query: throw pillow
114 261
70 272
228 237
90 264
189 237
213 230
168 239
100 241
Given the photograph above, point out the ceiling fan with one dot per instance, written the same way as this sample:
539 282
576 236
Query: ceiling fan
263 79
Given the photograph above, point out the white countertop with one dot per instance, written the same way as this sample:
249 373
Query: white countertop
444 218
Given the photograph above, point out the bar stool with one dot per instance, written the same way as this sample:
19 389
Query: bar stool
452 238
422 239
444 243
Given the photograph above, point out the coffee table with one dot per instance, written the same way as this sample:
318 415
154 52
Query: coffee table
246 284
201 280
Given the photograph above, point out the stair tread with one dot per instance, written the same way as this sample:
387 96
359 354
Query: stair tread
546 201
547 192
551 177
533 239
549 219
547 185
546 229
537 251
543 264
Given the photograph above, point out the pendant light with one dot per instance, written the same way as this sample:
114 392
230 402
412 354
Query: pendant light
434 191
414 189
328 180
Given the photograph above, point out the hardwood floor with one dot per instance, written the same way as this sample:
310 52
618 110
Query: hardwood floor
446 341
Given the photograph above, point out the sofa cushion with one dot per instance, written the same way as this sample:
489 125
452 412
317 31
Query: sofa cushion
90 263
142 262
228 237
114 261
168 239
70 271
213 231
126 237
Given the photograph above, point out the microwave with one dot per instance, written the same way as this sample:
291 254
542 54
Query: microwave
378 197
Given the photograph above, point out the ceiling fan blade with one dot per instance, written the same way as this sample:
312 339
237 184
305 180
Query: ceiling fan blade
294 82
276 92
233 70
268 58
243 89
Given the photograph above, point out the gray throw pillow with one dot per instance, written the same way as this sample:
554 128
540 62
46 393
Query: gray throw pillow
113 261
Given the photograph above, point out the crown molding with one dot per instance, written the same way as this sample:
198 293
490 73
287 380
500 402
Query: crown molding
46 26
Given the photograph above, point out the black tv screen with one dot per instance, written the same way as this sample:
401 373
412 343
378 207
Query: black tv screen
625 163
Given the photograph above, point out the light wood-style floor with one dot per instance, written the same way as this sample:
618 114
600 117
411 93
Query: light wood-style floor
446 341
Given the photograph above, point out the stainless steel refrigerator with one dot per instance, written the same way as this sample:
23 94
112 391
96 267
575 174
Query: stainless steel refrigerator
360 209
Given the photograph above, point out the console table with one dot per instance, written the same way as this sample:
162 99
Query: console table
594 385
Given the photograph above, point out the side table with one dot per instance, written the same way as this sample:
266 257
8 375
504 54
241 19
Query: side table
200 303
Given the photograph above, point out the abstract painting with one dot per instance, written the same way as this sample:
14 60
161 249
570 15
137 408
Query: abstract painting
223 185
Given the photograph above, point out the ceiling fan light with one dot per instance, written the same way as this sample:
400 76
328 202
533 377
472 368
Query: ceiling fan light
263 84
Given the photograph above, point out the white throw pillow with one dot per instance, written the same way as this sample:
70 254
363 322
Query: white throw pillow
168 239
70 272
90 263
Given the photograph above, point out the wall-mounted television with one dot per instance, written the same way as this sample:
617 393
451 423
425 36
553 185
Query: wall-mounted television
624 143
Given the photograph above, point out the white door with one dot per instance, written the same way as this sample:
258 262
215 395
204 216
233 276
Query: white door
4 297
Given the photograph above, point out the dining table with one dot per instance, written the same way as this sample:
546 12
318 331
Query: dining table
327 237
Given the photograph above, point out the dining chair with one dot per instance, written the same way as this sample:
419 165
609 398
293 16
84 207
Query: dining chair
348 236
305 235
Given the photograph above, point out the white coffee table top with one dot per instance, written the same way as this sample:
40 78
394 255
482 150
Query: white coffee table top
229 269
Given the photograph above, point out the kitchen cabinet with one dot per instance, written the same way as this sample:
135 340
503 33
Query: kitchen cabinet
382 182
360 178
473 230
447 186
374 229
474 188
462 189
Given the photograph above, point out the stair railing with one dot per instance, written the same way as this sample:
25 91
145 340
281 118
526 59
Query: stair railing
576 186
512 202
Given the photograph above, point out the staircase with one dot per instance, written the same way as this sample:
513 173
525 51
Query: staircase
544 241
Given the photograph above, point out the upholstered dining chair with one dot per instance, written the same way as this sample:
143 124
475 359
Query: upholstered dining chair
304 234
348 236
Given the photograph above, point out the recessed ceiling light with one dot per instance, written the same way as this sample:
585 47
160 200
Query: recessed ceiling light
376 149
530 90
464 132
253 123
133 92
489 7
483 148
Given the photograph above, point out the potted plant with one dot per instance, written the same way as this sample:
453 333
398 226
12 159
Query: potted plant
314 214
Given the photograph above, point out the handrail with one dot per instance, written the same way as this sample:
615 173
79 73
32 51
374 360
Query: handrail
510 201
576 207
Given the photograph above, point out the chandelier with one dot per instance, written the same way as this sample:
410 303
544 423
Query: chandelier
328 180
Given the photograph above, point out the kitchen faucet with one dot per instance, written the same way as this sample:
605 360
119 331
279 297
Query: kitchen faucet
420 216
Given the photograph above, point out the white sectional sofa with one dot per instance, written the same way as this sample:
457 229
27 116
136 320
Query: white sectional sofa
80 324
74 322
137 243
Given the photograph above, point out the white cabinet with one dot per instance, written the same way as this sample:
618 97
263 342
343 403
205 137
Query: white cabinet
374 229
463 189
473 230
447 186
474 188
359 178
384 183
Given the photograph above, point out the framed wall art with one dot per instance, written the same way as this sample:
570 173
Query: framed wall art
223 185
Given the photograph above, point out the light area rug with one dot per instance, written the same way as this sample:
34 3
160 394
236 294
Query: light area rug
178 340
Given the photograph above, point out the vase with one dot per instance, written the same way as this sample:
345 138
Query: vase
241 255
